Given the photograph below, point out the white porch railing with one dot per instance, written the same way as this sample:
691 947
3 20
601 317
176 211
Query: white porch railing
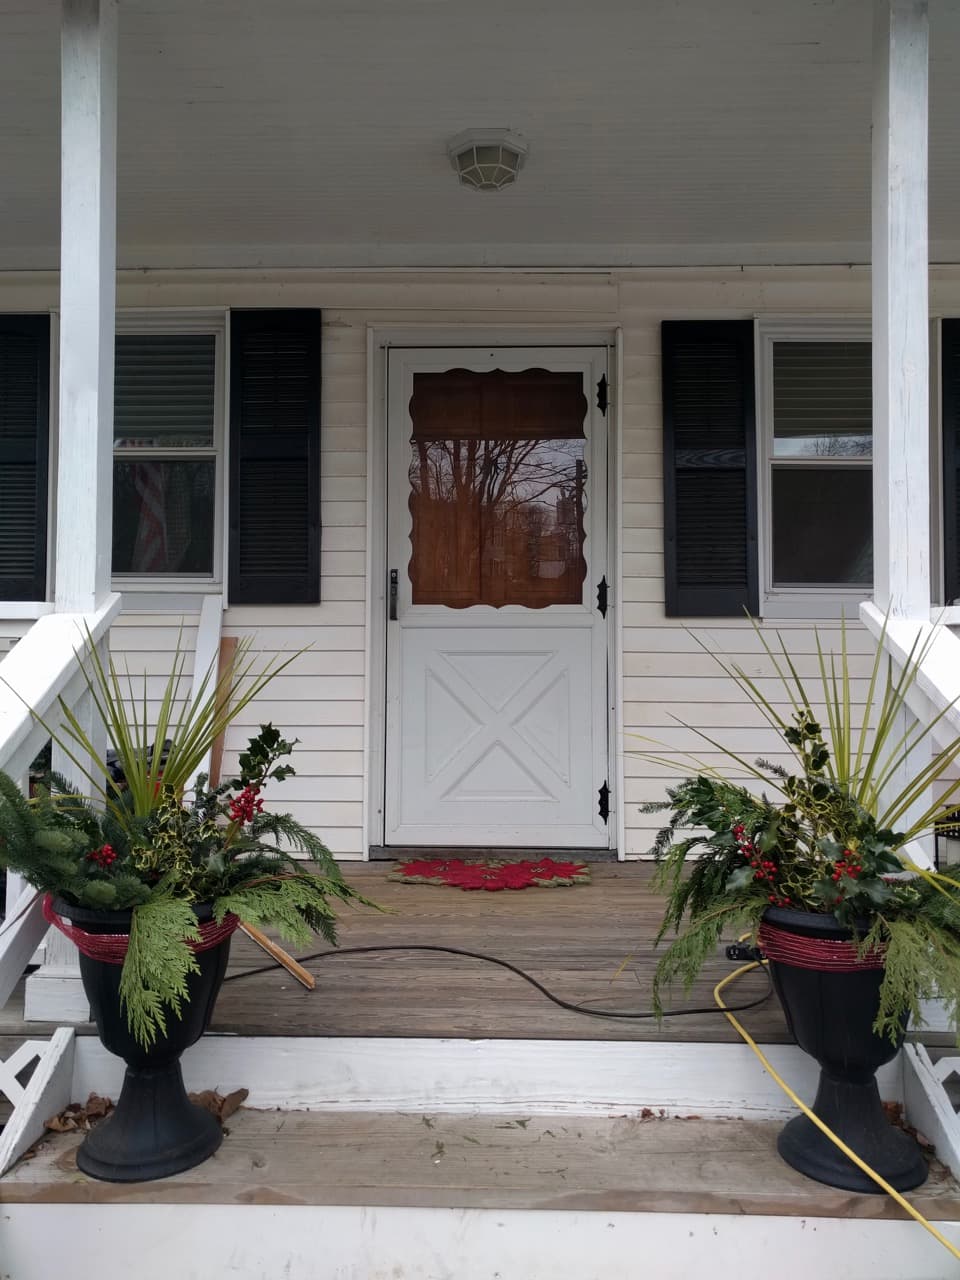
42 668
935 693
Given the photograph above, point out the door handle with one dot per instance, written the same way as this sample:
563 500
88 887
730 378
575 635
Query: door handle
394 587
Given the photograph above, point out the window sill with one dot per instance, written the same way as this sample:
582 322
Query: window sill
182 598
814 607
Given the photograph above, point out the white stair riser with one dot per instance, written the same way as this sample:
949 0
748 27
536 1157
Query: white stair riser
579 1077
261 1242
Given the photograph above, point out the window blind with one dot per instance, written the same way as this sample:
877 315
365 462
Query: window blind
822 396
164 390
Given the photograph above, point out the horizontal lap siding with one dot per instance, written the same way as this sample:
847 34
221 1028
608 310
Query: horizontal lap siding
671 687
319 699
674 692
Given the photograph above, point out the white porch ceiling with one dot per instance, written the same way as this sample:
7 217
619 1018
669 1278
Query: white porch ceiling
310 133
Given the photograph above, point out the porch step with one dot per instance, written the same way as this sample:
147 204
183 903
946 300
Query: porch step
633 1164
369 1194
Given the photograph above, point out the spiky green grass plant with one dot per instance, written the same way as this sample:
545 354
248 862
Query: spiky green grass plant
829 834
159 843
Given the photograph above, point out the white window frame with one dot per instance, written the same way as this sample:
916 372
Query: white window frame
187 322
794 602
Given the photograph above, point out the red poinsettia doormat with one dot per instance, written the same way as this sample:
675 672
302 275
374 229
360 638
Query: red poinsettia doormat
491 873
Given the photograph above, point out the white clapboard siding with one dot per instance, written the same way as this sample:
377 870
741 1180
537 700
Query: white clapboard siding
319 698
669 679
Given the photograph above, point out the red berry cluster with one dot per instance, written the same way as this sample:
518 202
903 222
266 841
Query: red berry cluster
246 805
104 857
763 868
846 865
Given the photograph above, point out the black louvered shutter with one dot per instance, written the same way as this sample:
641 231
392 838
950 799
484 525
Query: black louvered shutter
274 457
24 435
950 371
709 442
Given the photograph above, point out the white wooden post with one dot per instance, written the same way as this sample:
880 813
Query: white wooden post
88 263
901 392
901 422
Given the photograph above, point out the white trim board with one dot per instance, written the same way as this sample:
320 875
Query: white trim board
524 1077
309 1242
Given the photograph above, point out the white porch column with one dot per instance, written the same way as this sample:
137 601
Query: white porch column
901 375
901 422
88 266
88 263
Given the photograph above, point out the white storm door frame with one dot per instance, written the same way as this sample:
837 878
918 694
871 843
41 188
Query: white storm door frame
590 831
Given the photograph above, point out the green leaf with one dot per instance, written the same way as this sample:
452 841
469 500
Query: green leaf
770 836
878 891
739 879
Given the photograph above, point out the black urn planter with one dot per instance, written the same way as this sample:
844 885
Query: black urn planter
155 1130
830 1013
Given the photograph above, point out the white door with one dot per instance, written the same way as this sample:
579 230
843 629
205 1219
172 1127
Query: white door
497 725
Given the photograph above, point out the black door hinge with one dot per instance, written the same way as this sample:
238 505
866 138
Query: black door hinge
602 590
603 398
604 806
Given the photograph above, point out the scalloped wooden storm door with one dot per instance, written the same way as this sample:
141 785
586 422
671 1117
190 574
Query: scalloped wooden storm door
497 728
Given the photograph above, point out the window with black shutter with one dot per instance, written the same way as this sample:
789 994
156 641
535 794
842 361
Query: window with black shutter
818 450
274 555
950 373
167 447
709 436
24 442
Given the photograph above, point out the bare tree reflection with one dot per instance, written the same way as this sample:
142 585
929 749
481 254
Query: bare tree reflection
497 521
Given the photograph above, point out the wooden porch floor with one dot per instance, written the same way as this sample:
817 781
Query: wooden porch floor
572 940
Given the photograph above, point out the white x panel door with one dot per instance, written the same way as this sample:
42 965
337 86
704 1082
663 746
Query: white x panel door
497 722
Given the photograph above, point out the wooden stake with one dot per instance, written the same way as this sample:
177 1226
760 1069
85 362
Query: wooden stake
228 650
297 971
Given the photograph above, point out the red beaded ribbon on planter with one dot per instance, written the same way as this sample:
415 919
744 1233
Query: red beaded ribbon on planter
112 947
817 953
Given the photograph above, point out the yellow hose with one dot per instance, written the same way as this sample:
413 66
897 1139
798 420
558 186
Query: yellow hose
838 1142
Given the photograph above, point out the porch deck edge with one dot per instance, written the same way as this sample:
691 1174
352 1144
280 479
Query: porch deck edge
618 1164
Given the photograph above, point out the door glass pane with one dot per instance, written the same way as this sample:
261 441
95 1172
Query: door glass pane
822 527
497 488
163 516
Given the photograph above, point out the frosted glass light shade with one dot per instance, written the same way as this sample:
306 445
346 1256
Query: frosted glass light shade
487 159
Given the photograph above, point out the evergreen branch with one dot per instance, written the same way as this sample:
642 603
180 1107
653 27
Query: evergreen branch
157 964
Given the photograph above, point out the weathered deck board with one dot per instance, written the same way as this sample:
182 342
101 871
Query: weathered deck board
616 1164
573 940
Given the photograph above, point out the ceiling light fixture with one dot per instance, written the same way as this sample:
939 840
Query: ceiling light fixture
487 159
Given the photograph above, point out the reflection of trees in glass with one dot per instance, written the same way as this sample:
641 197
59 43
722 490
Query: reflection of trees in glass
843 447
497 521
824 446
